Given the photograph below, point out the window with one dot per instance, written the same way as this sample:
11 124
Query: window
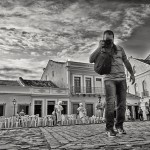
25 107
144 86
77 84
38 102
46 77
98 86
134 70
128 90
98 79
52 73
135 88
88 85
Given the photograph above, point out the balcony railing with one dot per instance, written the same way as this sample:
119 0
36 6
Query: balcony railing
87 90
145 93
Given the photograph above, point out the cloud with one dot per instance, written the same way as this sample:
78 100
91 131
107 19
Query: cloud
133 18
31 32
23 67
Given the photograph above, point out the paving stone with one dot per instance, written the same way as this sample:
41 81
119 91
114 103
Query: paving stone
85 137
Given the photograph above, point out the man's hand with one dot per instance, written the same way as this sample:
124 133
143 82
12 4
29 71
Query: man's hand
101 44
132 77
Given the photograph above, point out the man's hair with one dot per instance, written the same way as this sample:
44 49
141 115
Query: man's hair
109 32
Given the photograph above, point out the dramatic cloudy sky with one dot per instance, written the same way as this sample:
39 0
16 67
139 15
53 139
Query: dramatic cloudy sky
34 31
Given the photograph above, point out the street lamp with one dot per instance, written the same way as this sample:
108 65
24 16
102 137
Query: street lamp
14 102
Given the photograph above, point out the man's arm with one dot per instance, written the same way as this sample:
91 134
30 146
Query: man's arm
128 66
94 55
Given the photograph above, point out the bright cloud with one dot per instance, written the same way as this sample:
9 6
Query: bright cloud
32 32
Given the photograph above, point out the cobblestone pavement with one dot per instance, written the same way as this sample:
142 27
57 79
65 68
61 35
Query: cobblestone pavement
78 137
23 138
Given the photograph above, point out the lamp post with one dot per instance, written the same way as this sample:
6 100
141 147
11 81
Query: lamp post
14 102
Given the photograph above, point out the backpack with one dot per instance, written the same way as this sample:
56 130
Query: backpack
103 62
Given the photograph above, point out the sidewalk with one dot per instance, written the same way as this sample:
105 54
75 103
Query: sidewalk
81 137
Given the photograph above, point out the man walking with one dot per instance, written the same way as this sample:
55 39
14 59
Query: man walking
115 82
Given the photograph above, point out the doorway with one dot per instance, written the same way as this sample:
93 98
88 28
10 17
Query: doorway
50 107
89 110
136 112
38 108
24 107
1 110
75 107
65 107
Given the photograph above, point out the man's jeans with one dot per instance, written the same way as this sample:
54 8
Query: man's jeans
115 90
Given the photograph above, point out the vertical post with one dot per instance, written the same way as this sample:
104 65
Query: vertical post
14 102
14 109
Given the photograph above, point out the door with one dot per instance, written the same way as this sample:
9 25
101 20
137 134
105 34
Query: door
65 107
75 107
38 108
136 112
50 107
89 110
1 110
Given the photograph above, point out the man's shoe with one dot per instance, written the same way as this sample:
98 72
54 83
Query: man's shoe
111 133
121 131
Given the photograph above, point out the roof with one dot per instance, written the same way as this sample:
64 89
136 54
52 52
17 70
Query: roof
148 57
147 61
37 83
59 62
9 83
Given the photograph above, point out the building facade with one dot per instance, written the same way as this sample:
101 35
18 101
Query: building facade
141 87
33 96
84 85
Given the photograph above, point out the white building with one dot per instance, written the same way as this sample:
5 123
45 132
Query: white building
141 87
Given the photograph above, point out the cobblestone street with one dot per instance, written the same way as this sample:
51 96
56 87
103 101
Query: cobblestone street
81 137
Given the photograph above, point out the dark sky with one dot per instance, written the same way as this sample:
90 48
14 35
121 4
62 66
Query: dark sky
34 31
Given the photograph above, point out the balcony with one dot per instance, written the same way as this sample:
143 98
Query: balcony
145 94
87 90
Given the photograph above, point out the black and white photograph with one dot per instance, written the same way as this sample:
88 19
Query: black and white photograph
74 74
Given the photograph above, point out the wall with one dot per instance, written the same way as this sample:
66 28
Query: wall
142 73
60 73
9 107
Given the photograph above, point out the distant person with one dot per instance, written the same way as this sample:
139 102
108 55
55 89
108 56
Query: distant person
147 114
140 114
17 115
128 113
99 108
59 109
82 111
22 113
54 117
